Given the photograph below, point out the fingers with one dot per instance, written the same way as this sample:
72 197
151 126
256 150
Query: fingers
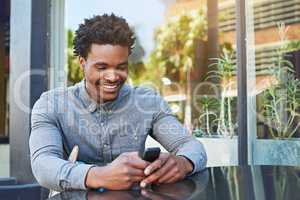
153 166
158 163
159 173
137 178
134 172
135 161
173 179
169 175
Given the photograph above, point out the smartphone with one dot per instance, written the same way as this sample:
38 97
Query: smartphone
150 154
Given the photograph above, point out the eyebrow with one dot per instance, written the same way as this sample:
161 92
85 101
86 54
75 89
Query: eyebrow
123 63
105 64
100 63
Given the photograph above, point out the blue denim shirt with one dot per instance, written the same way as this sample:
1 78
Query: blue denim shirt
62 118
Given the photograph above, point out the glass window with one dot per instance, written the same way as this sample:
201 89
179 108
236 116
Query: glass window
277 67
185 49
274 70
195 53
4 67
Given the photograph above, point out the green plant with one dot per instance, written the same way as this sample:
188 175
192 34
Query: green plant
209 112
175 51
281 101
177 39
75 73
224 68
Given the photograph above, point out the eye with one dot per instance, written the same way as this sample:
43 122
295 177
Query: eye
100 67
122 67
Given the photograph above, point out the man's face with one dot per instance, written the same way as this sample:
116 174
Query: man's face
105 71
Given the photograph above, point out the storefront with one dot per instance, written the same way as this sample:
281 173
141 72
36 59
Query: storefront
32 61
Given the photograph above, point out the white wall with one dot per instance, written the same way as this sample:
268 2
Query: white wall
4 160
150 142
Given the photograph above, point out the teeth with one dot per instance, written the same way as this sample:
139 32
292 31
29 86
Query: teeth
110 86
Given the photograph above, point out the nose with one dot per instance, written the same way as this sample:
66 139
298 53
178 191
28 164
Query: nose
111 76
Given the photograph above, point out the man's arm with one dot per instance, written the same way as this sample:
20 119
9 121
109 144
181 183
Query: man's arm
187 154
168 131
176 139
46 150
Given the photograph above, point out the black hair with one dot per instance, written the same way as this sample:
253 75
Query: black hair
102 29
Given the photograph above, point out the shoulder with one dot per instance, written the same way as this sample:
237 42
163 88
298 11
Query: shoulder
145 91
148 97
55 96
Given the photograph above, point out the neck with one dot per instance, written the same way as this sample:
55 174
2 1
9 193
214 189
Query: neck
94 97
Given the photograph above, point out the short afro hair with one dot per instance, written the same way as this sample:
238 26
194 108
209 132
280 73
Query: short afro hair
102 29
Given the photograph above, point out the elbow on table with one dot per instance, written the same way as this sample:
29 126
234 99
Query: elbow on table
41 174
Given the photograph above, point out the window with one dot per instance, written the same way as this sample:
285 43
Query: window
186 50
4 68
274 71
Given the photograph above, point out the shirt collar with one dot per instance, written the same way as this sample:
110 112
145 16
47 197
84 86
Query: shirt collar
91 105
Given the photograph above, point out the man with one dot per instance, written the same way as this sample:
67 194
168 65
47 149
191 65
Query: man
109 121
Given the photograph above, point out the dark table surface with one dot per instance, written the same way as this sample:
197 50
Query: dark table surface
232 183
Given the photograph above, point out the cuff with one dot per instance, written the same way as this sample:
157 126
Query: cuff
76 177
197 157
199 161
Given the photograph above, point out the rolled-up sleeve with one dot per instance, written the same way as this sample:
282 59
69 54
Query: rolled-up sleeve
46 151
171 134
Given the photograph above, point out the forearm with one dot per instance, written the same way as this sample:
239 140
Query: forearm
195 152
176 139
48 165
58 174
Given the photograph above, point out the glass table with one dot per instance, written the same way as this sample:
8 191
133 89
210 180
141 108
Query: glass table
232 183
225 183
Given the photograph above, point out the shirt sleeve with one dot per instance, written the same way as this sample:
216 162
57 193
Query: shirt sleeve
46 151
175 138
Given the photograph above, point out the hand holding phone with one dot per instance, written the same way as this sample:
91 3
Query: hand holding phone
150 154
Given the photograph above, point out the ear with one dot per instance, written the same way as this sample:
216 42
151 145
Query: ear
82 62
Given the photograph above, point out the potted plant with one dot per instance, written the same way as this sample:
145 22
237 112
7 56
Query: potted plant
280 113
217 127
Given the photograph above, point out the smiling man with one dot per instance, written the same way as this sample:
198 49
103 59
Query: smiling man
109 121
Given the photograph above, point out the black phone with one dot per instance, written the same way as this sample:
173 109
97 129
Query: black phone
150 154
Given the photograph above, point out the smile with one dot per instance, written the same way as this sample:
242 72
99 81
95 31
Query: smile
110 88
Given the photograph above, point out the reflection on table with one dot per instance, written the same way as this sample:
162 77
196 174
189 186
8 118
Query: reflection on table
190 188
226 183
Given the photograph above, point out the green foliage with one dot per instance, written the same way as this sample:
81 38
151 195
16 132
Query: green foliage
281 101
223 69
209 114
138 71
293 45
177 39
75 73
